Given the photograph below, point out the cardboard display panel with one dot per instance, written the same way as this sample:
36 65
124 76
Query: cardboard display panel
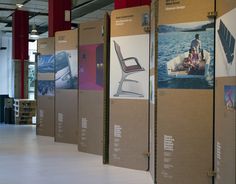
45 116
184 92
184 136
153 49
66 109
128 140
129 76
46 46
90 130
152 141
46 87
179 11
225 93
225 118
223 7
66 86
90 122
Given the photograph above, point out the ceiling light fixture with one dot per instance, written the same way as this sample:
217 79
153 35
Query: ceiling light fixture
18 5
34 33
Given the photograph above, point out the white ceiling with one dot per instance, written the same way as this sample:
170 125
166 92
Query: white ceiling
36 6
5 13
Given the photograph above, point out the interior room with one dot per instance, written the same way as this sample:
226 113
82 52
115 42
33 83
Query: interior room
117 92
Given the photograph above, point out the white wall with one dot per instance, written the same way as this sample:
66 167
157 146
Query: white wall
5 64
3 72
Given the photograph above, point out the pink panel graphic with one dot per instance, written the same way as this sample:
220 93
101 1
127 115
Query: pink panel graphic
91 67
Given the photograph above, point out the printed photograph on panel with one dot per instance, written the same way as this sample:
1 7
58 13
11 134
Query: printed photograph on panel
91 67
129 68
46 64
66 69
186 55
225 45
230 97
46 88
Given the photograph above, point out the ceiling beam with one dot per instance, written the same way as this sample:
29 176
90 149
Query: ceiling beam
94 5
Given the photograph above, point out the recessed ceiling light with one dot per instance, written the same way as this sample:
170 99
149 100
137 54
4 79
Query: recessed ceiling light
18 5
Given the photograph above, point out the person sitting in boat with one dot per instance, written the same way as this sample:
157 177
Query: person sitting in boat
192 61
196 43
194 56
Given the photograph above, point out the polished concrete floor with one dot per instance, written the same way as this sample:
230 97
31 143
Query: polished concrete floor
29 159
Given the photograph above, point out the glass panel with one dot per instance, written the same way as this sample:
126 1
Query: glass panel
31 70
31 81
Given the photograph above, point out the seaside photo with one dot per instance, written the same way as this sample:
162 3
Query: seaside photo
186 55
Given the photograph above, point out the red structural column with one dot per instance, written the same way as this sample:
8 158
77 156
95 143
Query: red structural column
119 4
20 31
58 20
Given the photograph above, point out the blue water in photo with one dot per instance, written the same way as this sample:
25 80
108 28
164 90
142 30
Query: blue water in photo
170 45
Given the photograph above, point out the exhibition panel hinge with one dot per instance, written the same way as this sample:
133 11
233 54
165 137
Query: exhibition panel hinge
147 29
212 14
147 154
211 173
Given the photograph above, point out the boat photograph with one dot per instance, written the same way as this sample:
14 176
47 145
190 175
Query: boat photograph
186 55
182 67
